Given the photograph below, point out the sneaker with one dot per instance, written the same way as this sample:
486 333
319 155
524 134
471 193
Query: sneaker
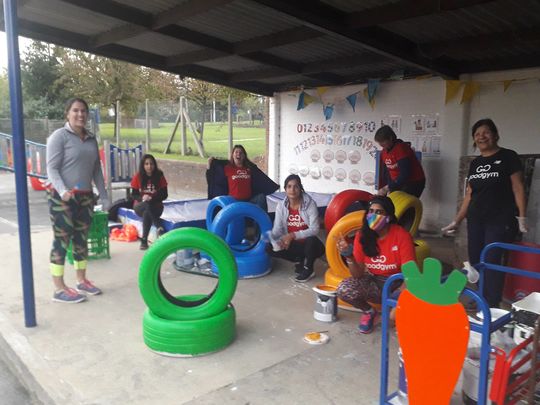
305 274
298 267
68 296
144 244
87 287
367 320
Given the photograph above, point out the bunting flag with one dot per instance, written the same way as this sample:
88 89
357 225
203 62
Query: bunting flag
328 111
304 100
301 101
452 88
471 88
507 84
372 102
352 100
321 90
372 86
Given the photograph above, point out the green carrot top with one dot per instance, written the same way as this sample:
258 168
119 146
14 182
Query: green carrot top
427 285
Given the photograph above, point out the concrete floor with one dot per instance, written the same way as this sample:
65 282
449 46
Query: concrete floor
93 352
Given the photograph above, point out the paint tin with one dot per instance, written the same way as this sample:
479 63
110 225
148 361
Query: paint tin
325 303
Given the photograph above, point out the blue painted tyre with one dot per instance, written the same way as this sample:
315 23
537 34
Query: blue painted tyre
252 261
168 307
235 230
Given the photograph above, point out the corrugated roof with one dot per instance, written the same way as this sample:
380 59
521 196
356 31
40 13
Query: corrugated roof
265 46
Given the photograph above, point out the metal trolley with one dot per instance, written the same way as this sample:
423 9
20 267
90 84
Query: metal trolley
485 327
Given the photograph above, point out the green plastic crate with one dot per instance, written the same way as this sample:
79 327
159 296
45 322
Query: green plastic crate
98 238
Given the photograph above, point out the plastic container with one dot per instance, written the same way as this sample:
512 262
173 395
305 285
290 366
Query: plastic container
518 287
471 374
98 238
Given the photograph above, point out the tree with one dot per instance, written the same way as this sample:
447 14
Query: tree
43 92
4 96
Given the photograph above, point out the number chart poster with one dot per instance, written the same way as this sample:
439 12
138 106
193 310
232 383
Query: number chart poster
331 155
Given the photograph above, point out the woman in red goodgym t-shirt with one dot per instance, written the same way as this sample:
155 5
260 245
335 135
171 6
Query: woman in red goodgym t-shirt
403 170
379 250
149 188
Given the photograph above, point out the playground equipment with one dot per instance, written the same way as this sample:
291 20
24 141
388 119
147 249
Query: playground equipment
193 324
485 327
120 164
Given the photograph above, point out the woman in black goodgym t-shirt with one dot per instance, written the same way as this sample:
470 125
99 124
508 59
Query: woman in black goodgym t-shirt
494 203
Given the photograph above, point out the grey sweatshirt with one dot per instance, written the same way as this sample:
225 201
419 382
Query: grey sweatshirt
309 213
72 164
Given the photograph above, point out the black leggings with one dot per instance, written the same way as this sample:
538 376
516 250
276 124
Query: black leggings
305 252
150 214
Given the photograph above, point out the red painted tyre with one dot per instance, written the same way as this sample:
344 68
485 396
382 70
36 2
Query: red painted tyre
337 208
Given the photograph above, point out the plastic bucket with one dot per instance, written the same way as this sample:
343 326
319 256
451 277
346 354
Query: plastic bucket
471 375
325 303
184 257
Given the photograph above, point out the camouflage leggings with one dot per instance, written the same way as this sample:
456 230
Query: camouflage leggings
71 221
359 292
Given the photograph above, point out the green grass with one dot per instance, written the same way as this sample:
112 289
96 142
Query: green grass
215 140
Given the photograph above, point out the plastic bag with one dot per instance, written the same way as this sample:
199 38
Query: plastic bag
128 233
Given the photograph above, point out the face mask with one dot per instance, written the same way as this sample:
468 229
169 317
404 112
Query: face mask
377 222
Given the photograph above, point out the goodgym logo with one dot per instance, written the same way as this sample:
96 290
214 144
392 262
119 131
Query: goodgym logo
379 259
482 169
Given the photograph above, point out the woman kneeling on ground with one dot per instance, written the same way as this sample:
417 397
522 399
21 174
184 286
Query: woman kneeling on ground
149 188
295 229
379 250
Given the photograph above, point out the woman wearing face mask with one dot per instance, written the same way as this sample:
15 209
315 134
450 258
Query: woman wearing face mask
295 229
378 251
494 203
149 188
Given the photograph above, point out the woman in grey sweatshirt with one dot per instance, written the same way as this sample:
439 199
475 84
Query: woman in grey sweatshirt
72 164
295 229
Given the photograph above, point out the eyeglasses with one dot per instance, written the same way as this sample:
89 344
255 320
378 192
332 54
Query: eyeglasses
376 211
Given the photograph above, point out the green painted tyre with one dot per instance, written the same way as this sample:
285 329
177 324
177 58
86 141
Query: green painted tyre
189 338
164 305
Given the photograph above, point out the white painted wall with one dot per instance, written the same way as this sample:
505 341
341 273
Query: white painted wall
515 113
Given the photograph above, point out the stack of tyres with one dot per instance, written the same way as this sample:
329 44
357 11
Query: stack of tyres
188 325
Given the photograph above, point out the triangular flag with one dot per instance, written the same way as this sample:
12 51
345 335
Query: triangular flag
397 75
301 104
328 110
452 88
366 95
352 100
471 88
321 90
308 99
507 84
372 86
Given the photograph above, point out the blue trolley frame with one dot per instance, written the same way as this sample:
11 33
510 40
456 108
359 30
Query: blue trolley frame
484 328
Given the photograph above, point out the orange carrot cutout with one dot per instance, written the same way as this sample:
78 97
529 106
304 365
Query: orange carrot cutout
433 332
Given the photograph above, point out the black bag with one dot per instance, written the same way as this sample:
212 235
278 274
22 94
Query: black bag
122 203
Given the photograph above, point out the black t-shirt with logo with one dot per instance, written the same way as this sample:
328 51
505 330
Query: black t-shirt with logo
492 198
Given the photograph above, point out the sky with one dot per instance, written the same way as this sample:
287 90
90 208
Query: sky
23 43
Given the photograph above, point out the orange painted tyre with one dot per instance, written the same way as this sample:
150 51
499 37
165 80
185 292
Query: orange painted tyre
347 225
408 210
339 204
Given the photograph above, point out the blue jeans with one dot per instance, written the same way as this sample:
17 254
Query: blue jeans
480 235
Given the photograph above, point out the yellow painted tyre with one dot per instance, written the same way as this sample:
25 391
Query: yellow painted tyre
408 210
347 225
422 250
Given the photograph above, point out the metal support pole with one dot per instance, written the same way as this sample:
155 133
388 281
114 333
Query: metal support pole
117 118
229 117
19 154
147 125
183 129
